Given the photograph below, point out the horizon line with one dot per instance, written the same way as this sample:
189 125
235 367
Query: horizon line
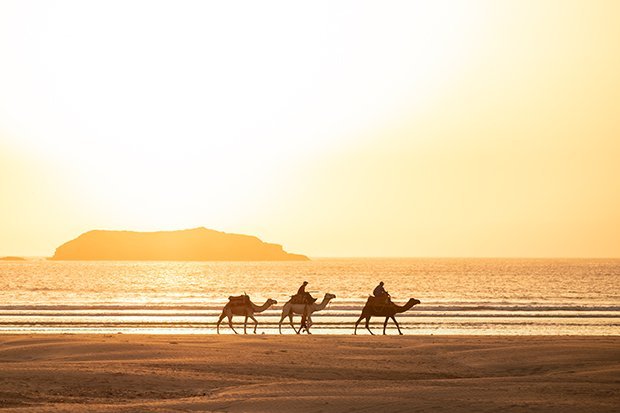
328 257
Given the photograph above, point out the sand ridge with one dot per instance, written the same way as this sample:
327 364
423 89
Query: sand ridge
267 373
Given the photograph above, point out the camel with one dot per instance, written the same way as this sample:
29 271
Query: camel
245 308
387 310
290 309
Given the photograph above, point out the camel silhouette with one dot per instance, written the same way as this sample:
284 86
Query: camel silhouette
290 309
387 310
245 308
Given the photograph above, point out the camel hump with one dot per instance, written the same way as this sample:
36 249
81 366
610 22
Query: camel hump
304 298
378 301
239 299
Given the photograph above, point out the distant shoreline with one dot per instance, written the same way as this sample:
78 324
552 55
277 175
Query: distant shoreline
12 258
327 258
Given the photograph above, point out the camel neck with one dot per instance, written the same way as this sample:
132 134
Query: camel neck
403 308
259 308
323 303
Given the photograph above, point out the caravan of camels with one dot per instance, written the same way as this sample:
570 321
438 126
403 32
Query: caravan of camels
379 304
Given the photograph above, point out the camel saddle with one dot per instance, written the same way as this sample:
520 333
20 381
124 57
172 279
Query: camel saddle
380 301
302 299
239 300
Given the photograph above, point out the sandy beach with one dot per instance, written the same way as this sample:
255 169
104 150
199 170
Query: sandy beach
309 373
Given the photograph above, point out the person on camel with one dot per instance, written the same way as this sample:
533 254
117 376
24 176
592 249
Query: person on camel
380 293
303 296
302 290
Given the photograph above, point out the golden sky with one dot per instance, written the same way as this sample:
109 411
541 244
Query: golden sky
430 128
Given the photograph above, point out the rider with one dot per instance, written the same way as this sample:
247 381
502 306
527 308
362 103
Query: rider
302 290
379 292
305 299
304 296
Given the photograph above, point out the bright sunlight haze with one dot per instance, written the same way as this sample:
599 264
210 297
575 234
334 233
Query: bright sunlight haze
334 128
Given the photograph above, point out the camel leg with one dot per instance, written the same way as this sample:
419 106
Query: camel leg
397 326
367 326
231 324
219 321
305 325
357 323
290 320
385 324
255 323
304 320
280 323
245 325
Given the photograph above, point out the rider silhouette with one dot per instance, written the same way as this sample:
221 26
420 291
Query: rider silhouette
379 292
304 298
302 290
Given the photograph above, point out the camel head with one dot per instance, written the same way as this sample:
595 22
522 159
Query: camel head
329 296
415 301
271 302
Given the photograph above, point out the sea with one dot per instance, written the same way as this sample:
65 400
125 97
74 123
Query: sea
457 296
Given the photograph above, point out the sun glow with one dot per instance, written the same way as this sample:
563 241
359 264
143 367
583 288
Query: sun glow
158 115
168 114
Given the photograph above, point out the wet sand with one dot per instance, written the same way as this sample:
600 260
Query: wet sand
309 374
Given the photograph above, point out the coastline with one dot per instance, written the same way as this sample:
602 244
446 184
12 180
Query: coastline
261 373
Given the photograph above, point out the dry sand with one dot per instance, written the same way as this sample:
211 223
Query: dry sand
309 373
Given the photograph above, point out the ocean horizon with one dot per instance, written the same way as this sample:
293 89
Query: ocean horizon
479 296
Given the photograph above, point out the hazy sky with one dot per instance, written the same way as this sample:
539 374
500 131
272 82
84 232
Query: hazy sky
335 128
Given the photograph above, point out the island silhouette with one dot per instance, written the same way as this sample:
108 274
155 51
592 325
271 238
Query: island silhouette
198 244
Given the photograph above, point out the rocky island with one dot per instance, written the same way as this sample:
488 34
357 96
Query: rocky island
198 244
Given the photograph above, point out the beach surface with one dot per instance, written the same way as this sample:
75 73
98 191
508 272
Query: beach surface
288 373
